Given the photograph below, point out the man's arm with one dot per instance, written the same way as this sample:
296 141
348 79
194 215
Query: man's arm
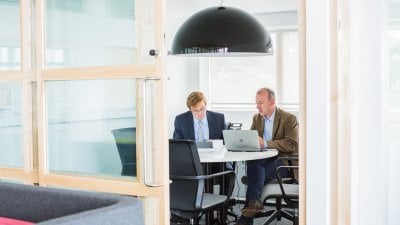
178 134
286 140
216 123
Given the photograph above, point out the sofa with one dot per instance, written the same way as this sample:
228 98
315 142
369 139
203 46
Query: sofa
51 206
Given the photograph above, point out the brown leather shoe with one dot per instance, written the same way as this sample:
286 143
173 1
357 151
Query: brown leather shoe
252 208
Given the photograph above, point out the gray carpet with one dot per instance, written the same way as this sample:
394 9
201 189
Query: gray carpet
237 208
258 221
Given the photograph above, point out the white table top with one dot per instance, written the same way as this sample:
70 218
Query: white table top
227 156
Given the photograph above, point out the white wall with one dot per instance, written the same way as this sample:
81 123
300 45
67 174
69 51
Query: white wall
183 79
374 166
181 71
368 57
317 113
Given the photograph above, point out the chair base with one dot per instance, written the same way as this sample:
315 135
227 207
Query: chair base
177 220
232 215
278 214
229 210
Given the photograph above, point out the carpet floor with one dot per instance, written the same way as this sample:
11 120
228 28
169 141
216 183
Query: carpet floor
237 210
258 221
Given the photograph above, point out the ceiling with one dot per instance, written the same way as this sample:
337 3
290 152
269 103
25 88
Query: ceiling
252 6
179 10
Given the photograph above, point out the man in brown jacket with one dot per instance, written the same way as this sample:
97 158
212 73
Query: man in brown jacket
277 129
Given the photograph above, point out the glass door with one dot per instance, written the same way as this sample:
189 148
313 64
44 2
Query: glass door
82 100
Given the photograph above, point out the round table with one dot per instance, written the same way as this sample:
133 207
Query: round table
228 156
207 157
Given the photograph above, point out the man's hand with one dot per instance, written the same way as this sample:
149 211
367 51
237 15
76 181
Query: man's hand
261 142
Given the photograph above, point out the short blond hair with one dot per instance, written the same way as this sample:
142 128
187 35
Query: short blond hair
194 98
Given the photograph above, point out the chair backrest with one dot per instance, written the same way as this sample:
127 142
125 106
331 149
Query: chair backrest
184 160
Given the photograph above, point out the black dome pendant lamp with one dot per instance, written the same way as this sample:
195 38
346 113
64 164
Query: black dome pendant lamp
221 31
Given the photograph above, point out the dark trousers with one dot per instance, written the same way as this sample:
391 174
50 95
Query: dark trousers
259 173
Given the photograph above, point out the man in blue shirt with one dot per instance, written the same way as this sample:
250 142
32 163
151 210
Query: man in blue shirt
200 125
277 129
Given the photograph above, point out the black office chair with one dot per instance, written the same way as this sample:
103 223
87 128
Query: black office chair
187 197
125 139
282 194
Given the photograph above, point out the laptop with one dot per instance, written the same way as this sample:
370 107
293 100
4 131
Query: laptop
241 140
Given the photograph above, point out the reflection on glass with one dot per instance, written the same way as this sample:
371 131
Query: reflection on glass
91 127
10 48
10 125
97 33
125 139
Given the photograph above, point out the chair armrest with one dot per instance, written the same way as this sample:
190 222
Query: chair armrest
289 158
203 177
229 173
278 175
282 183
290 161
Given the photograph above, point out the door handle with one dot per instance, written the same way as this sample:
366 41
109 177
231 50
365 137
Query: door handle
146 182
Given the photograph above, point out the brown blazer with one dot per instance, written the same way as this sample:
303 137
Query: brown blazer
285 134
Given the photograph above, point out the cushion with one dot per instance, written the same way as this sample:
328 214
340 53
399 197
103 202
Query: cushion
9 221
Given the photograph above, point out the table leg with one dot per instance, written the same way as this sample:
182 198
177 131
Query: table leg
208 189
223 216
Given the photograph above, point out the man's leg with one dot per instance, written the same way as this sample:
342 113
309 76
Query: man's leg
270 169
255 183
259 172
255 179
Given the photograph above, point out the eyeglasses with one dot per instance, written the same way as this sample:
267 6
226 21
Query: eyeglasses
197 111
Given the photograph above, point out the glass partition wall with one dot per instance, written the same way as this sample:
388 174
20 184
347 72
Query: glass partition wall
80 98
82 117
10 125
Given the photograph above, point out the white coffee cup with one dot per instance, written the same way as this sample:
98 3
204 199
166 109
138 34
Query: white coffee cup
218 144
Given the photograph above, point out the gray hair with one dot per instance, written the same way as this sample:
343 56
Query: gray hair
271 93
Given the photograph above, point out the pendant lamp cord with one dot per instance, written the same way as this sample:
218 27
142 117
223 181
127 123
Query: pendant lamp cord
221 2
